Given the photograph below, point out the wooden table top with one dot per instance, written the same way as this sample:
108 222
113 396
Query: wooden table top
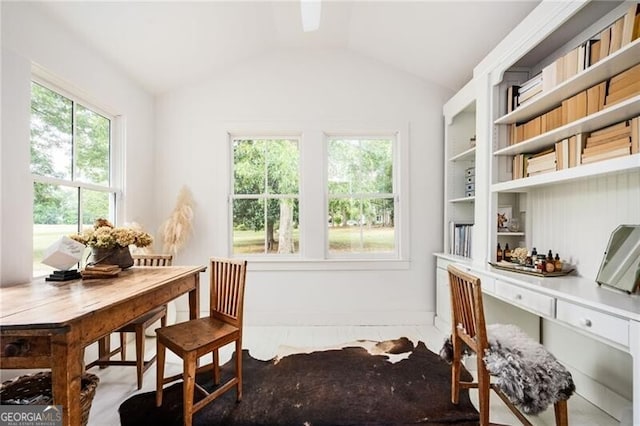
51 304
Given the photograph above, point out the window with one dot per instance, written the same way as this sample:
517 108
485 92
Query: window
361 197
265 196
71 168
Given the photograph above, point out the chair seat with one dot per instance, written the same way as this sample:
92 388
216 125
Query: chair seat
525 370
198 335
150 317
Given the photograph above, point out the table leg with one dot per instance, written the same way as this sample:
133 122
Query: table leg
66 375
104 348
194 299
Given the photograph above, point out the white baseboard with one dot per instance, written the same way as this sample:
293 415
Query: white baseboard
388 318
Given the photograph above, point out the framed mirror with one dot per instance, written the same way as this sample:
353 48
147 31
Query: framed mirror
620 266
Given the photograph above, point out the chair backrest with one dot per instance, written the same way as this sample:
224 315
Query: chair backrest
228 278
467 312
152 259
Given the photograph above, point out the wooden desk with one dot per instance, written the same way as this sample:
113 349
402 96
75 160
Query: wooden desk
606 315
57 320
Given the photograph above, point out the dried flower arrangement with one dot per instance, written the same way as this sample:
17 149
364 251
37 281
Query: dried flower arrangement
105 235
177 229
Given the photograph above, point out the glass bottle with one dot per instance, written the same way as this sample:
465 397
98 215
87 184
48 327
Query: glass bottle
557 263
507 253
499 254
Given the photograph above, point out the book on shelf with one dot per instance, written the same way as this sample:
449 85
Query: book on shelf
623 93
596 96
620 152
575 149
529 95
616 35
512 97
460 238
622 142
562 154
575 107
593 46
635 135
605 40
630 19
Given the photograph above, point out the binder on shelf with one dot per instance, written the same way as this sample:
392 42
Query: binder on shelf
460 238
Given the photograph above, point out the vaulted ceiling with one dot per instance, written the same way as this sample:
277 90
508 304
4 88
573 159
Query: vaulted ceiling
164 44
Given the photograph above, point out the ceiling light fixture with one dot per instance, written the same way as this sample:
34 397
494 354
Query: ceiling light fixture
310 11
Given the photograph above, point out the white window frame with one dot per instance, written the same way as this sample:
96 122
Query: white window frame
393 137
232 196
312 134
116 152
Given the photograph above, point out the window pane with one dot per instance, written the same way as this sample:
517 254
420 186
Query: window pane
282 166
95 204
360 166
248 167
261 227
361 226
55 213
51 143
92 146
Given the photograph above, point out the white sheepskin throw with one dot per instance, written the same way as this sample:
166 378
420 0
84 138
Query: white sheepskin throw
524 370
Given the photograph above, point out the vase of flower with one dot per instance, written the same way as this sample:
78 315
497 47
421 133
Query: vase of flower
110 245
120 256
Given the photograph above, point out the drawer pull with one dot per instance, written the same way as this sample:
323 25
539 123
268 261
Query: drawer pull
18 348
585 322
518 297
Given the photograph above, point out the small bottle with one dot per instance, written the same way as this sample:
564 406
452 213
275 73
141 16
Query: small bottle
507 253
499 254
550 256
534 258
549 264
557 263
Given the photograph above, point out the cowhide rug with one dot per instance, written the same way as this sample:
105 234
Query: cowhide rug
348 386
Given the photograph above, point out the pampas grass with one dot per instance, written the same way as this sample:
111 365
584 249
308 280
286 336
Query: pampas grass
177 229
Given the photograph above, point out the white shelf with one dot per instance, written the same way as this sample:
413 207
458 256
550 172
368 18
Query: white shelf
468 155
463 200
510 234
600 71
618 112
614 165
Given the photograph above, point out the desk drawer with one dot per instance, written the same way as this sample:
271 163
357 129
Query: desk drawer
603 325
535 302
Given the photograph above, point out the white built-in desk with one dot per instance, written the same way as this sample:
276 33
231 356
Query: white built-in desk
607 315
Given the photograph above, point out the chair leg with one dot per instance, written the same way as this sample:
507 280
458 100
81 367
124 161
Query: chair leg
160 352
484 390
189 378
455 369
239 369
123 346
561 411
216 366
104 347
139 354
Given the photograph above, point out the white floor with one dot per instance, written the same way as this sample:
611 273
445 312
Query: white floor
119 383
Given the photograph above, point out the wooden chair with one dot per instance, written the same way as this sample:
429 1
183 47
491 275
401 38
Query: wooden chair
193 339
137 326
469 327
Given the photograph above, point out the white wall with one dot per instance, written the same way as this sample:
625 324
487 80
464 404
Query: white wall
306 92
30 36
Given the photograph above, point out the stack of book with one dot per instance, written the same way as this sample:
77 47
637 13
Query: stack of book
610 142
542 162
70 274
460 238
101 271
529 90
624 86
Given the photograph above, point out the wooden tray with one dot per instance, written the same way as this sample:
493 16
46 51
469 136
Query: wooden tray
514 267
